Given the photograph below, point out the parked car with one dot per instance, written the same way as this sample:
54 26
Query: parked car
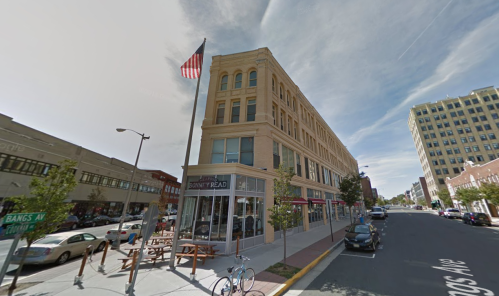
138 216
97 221
126 231
475 218
419 207
361 236
452 213
115 219
58 248
387 207
128 218
70 223
377 213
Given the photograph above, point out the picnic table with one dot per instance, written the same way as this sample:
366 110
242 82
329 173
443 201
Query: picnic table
196 250
159 250
155 240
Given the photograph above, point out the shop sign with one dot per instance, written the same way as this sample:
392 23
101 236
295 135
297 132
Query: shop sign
208 183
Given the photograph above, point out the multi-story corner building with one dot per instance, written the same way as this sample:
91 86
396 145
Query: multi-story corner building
419 190
171 187
375 194
26 152
474 176
256 118
451 131
367 191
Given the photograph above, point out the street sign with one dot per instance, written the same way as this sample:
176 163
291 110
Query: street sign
149 222
20 228
24 217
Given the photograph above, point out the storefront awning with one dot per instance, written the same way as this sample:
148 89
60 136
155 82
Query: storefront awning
356 204
317 201
334 202
299 201
342 202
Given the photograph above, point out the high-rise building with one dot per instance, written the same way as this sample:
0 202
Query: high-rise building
449 132
419 190
256 118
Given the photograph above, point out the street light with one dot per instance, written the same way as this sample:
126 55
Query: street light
116 243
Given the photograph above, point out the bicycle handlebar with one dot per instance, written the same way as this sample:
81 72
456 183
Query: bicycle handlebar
243 258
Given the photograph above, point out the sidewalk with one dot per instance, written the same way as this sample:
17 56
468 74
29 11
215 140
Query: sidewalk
302 248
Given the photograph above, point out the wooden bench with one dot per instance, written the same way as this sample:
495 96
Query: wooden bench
203 256
126 259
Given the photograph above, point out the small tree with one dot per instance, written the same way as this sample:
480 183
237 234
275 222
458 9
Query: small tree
490 192
444 196
282 213
421 201
369 203
350 189
97 197
467 196
47 195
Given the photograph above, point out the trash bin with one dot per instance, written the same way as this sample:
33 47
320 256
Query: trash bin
131 237
361 220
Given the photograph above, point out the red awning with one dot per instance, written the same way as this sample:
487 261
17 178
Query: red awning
356 204
317 201
334 202
342 202
299 201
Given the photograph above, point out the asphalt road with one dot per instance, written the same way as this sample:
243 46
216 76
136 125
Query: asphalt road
99 231
420 254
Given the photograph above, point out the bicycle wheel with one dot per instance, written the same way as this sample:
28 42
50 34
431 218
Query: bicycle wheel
248 279
222 287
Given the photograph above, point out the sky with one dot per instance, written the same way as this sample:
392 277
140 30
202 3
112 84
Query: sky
78 70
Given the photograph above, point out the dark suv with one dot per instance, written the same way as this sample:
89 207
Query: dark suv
70 223
477 219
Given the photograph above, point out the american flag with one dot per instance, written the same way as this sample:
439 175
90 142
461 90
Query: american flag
192 67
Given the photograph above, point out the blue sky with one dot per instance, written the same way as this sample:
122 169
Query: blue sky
79 69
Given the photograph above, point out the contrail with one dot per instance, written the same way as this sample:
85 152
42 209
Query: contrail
424 30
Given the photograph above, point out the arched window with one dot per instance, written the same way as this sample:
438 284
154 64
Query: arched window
273 84
287 98
239 80
252 78
223 85
280 92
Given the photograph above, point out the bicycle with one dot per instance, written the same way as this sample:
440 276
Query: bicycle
227 285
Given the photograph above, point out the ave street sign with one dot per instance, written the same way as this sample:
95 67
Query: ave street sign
24 217
20 228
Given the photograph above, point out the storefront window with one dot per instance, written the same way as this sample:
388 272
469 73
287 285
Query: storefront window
260 185
238 218
249 217
220 215
298 209
203 218
260 216
251 184
188 213
240 183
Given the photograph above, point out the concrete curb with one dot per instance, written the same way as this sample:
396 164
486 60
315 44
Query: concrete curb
286 285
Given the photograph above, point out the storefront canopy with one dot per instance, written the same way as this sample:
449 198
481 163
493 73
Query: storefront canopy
317 201
342 202
299 201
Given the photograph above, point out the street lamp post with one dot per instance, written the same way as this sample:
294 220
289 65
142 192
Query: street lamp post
116 243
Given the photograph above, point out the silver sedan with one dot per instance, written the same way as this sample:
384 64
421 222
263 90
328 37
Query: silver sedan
58 248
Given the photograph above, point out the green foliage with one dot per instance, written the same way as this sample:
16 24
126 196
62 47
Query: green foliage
282 214
369 203
444 196
468 195
381 202
47 195
351 191
421 201
490 192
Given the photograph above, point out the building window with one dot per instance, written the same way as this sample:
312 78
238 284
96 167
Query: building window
464 140
298 165
483 117
471 158
223 85
456 170
460 113
217 152
289 126
479 109
443 116
274 114
247 151
487 127
474 119
467 103
220 113
472 139
452 160
449 106
453 141
232 150
442 161
445 171
467 149
287 99
276 157
460 160
487 147
235 112
492 136
288 157
307 175
440 108
252 79
239 81
282 122
479 158
476 148
483 137
280 92
273 84
294 105
438 172
251 110
475 101
296 131
457 151
457 104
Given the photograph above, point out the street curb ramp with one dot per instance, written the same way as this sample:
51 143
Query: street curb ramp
287 284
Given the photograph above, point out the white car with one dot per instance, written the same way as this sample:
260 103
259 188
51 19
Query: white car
452 213
126 231
378 213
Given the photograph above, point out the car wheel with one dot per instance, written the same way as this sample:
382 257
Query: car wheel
101 246
63 258
93 224
73 227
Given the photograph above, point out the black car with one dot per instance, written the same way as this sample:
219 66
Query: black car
97 221
476 219
70 223
362 236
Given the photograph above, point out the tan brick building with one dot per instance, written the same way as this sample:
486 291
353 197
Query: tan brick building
451 131
474 176
256 118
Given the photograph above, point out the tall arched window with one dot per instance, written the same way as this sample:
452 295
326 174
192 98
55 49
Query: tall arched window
239 80
273 84
252 78
280 92
223 85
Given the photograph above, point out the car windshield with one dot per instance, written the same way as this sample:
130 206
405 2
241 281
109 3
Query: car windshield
376 209
49 240
363 229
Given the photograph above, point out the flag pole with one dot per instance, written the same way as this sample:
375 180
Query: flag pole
184 176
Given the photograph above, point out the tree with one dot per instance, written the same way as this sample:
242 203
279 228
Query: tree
381 202
368 203
467 196
47 195
490 192
97 198
350 189
444 196
282 214
421 201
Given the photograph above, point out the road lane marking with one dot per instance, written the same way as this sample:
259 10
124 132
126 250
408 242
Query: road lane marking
359 256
